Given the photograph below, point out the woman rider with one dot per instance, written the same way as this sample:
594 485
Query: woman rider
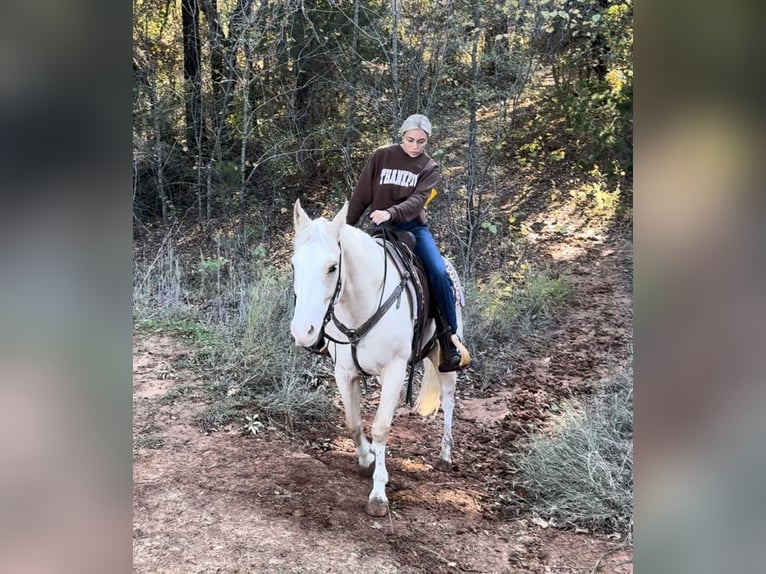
395 184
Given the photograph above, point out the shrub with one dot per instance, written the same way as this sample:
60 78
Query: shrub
218 415
150 441
255 363
297 398
598 199
544 296
266 317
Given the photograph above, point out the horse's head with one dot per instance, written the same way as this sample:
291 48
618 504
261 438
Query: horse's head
316 265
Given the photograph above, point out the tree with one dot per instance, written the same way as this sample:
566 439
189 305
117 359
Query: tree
192 74
278 97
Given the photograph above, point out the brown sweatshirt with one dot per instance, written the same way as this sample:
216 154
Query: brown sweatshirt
395 182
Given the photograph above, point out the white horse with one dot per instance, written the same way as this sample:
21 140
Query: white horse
340 274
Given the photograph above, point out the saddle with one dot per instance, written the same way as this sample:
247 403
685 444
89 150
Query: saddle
400 245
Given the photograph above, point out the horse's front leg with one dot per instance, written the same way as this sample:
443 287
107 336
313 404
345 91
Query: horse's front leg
348 385
391 379
447 381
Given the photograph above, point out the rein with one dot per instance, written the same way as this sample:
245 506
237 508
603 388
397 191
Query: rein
355 335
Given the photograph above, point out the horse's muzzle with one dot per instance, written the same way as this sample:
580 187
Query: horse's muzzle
304 335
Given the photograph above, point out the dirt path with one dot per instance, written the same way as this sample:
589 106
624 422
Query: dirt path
225 502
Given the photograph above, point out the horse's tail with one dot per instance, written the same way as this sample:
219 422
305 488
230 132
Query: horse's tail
429 397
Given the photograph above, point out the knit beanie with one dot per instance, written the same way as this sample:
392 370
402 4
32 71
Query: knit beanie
416 122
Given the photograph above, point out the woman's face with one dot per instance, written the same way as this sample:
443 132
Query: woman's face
414 142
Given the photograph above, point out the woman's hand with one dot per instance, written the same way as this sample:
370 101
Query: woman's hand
380 216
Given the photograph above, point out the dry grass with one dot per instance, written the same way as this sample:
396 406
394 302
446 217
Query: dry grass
582 473
297 400
241 339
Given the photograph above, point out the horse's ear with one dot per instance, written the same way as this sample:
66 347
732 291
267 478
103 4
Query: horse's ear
300 219
340 219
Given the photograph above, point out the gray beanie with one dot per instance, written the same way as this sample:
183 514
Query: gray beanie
416 122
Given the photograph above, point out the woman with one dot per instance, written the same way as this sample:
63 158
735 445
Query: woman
395 184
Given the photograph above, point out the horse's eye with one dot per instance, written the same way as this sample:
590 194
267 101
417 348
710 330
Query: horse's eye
333 268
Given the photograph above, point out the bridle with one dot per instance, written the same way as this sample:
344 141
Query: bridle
355 335
320 345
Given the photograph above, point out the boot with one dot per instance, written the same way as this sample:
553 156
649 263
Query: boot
454 355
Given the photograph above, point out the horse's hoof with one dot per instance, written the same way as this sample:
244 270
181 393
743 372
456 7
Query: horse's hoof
376 507
368 470
443 465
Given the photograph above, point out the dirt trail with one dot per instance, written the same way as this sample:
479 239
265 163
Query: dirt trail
226 503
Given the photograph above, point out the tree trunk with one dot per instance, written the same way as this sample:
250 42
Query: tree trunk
192 74
246 122
473 152
217 65
395 106
351 113
313 67
159 158
224 71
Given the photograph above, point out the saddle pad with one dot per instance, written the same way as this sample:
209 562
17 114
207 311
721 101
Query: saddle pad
456 285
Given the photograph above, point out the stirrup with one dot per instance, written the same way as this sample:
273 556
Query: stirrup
465 357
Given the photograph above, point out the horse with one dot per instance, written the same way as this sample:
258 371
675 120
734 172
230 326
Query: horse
342 276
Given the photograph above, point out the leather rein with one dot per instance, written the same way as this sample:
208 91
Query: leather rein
355 335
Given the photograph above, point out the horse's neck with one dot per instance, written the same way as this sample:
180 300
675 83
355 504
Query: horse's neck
363 275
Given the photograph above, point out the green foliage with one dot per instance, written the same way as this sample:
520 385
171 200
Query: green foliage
490 309
267 316
601 119
183 326
150 441
499 303
180 392
544 295
228 173
588 128
253 343
258 252
489 226
581 473
599 196
585 116
249 359
504 311
313 90
214 265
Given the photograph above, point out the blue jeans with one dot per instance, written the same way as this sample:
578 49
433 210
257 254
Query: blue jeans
436 273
